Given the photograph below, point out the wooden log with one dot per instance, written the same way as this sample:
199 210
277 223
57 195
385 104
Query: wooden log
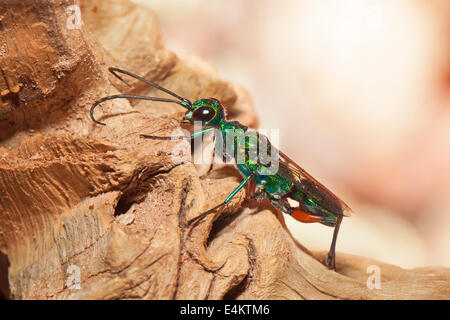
103 206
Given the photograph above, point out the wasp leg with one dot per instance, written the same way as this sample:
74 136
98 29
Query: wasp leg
254 193
230 196
296 212
191 136
331 259
305 217
145 136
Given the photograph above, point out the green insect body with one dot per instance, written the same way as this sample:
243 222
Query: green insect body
315 202
277 187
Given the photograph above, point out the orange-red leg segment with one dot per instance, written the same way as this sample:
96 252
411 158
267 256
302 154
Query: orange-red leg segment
304 217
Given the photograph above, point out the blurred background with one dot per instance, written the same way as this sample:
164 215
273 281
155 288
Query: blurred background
360 90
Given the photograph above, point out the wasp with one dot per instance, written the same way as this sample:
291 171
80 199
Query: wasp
314 203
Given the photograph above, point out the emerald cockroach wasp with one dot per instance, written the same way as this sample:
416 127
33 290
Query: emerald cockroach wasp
314 202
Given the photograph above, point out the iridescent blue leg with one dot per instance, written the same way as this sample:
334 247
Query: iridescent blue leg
230 196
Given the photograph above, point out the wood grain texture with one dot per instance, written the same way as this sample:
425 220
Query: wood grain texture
102 199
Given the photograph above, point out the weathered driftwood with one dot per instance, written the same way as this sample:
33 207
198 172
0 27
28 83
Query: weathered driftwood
101 199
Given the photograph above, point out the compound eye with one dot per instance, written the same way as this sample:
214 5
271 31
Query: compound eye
204 114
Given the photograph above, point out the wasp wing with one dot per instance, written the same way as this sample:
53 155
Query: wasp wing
311 187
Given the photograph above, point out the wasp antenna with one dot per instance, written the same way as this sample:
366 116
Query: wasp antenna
113 70
128 96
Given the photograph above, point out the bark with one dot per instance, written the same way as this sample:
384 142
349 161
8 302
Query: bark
102 200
